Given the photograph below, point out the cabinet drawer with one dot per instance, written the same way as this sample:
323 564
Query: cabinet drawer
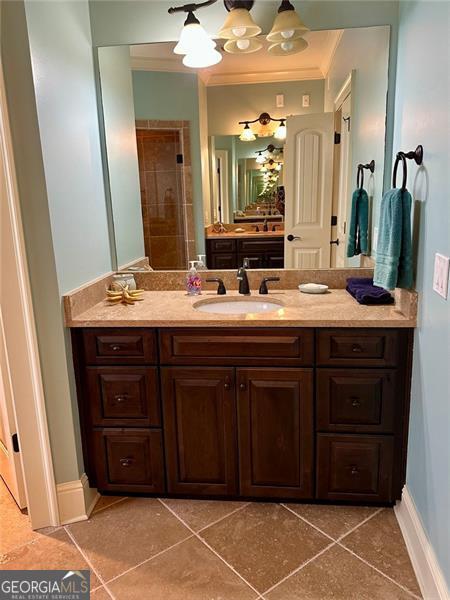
354 467
129 460
355 400
119 346
225 245
365 347
261 244
124 396
254 261
237 347
222 262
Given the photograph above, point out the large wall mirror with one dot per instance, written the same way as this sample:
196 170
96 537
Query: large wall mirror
255 157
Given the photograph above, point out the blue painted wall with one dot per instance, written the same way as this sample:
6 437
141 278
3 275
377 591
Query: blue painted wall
422 116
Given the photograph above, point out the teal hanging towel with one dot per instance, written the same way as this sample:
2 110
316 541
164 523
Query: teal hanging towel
393 260
357 242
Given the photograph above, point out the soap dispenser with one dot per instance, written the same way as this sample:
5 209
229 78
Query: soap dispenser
193 280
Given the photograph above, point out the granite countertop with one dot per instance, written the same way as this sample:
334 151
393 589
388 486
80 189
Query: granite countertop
174 309
245 234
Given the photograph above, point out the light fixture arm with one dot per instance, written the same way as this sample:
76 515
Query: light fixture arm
270 148
285 5
264 118
190 7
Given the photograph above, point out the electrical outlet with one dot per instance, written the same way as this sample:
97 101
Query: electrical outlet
306 101
280 100
440 277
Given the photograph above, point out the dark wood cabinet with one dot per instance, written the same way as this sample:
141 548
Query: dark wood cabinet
262 252
275 415
283 412
200 430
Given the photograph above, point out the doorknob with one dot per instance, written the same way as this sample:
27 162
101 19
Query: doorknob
335 242
291 238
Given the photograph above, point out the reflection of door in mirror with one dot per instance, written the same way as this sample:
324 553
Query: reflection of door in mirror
220 182
163 197
308 183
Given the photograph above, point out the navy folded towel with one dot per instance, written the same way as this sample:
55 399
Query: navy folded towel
363 290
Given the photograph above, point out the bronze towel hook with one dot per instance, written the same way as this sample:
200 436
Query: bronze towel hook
416 155
360 173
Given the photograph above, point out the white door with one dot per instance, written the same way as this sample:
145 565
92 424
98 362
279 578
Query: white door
308 163
344 182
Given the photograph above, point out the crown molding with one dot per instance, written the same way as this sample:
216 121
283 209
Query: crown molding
215 79
326 64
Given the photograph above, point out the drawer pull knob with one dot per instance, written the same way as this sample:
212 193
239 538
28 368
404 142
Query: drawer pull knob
115 347
356 348
354 470
242 386
121 399
227 386
355 402
125 462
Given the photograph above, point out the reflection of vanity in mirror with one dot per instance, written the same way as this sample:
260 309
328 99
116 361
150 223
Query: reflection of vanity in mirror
255 157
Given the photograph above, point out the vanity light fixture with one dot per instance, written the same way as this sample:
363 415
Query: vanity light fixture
247 134
198 48
287 25
264 130
260 159
288 47
242 46
239 23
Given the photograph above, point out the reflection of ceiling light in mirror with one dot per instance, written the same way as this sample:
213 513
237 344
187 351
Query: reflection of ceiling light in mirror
239 24
200 60
280 133
193 37
263 169
287 24
278 167
245 46
247 134
260 158
288 47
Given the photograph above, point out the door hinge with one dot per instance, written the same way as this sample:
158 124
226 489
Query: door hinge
179 159
337 137
348 121
333 220
15 442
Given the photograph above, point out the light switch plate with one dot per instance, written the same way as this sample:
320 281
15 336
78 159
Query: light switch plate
280 100
440 277
306 101
375 239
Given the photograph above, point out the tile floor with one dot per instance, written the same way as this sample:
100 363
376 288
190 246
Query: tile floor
208 550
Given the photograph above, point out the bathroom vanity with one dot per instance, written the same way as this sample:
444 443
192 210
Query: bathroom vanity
271 412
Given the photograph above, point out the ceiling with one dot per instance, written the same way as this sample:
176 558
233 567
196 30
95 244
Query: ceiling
258 67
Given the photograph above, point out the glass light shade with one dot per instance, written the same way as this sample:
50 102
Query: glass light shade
239 24
280 132
242 46
193 38
287 47
263 169
247 134
265 130
261 159
278 167
287 25
200 60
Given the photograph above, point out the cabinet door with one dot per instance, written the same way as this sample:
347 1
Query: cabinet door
254 260
222 262
275 416
200 430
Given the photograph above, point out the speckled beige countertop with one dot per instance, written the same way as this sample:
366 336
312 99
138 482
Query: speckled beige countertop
245 234
174 309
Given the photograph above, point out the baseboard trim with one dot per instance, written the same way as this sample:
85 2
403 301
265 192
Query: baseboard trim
428 572
76 500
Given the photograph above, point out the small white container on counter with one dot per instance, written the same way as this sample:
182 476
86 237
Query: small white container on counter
313 288
121 280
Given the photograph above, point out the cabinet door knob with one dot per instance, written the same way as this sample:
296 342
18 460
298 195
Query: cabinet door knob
355 401
115 347
242 386
125 462
121 399
356 348
227 386
354 470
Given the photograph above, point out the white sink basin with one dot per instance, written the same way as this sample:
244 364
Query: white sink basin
237 306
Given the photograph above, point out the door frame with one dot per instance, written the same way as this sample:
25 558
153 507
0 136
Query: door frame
222 185
28 405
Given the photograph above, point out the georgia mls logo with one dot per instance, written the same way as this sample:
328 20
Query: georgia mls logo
45 585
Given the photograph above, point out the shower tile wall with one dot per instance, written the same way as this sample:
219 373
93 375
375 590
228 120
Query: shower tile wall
162 196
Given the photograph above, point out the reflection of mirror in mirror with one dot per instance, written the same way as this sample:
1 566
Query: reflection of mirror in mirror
255 157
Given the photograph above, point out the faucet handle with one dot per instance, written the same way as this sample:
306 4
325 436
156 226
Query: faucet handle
221 290
263 287
256 227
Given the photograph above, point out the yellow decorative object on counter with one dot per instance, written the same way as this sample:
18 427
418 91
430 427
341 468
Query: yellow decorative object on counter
124 295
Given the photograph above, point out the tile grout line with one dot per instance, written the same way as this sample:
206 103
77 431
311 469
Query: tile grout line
212 549
300 567
222 518
95 512
405 589
30 542
84 555
363 522
147 560
308 522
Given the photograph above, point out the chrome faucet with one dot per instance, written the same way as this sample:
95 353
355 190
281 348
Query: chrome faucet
244 287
